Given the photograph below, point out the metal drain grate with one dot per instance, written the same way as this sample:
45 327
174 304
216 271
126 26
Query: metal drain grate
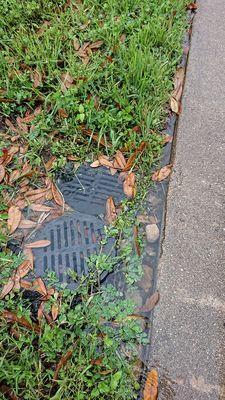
89 189
73 237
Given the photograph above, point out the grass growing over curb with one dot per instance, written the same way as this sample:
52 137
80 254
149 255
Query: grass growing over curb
100 74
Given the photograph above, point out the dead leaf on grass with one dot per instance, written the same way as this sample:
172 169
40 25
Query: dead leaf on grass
2 172
39 286
120 161
37 244
7 288
76 44
162 174
111 214
55 311
36 76
136 243
12 318
14 218
62 113
129 185
6 390
131 160
49 163
62 363
151 386
97 361
40 313
104 161
66 81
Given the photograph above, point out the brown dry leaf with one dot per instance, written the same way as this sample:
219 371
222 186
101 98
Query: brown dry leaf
162 174
34 192
55 311
14 218
167 139
37 244
27 118
62 113
150 303
95 45
39 285
129 185
40 312
136 243
49 163
175 105
40 208
95 164
106 372
62 363
192 6
2 172
58 197
66 81
26 284
113 171
151 386
110 210
10 125
27 224
23 127
95 137
29 255
105 162
97 361
120 161
175 100
23 269
12 318
132 158
14 175
76 44
7 288
6 390
122 38
37 78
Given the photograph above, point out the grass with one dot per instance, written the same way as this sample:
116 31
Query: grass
116 100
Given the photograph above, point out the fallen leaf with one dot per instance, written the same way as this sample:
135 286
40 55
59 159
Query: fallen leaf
49 163
55 311
151 386
40 208
58 197
95 137
62 113
23 269
105 162
76 44
39 286
2 172
8 392
37 244
122 38
192 6
66 81
132 158
95 164
14 217
129 185
10 125
175 100
26 284
162 174
150 303
14 176
27 224
7 288
40 312
62 363
119 161
110 210
97 361
175 105
37 78
23 127
12 318
136 243
167 139
95 45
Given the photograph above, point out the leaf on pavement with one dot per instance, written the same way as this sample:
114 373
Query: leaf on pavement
95 164
14 217
119 162
129 187
8 392
7 288
104 161
37 244
192 6
162 174
58 197
150 303
40 208
27 224
151 386
55 311
2 172
111 214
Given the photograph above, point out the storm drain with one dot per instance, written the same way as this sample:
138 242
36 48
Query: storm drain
88 190
77 235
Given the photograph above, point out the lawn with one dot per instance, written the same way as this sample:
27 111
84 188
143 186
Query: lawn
79 79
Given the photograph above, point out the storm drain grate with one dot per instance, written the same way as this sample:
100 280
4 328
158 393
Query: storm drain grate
73 237
89 189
